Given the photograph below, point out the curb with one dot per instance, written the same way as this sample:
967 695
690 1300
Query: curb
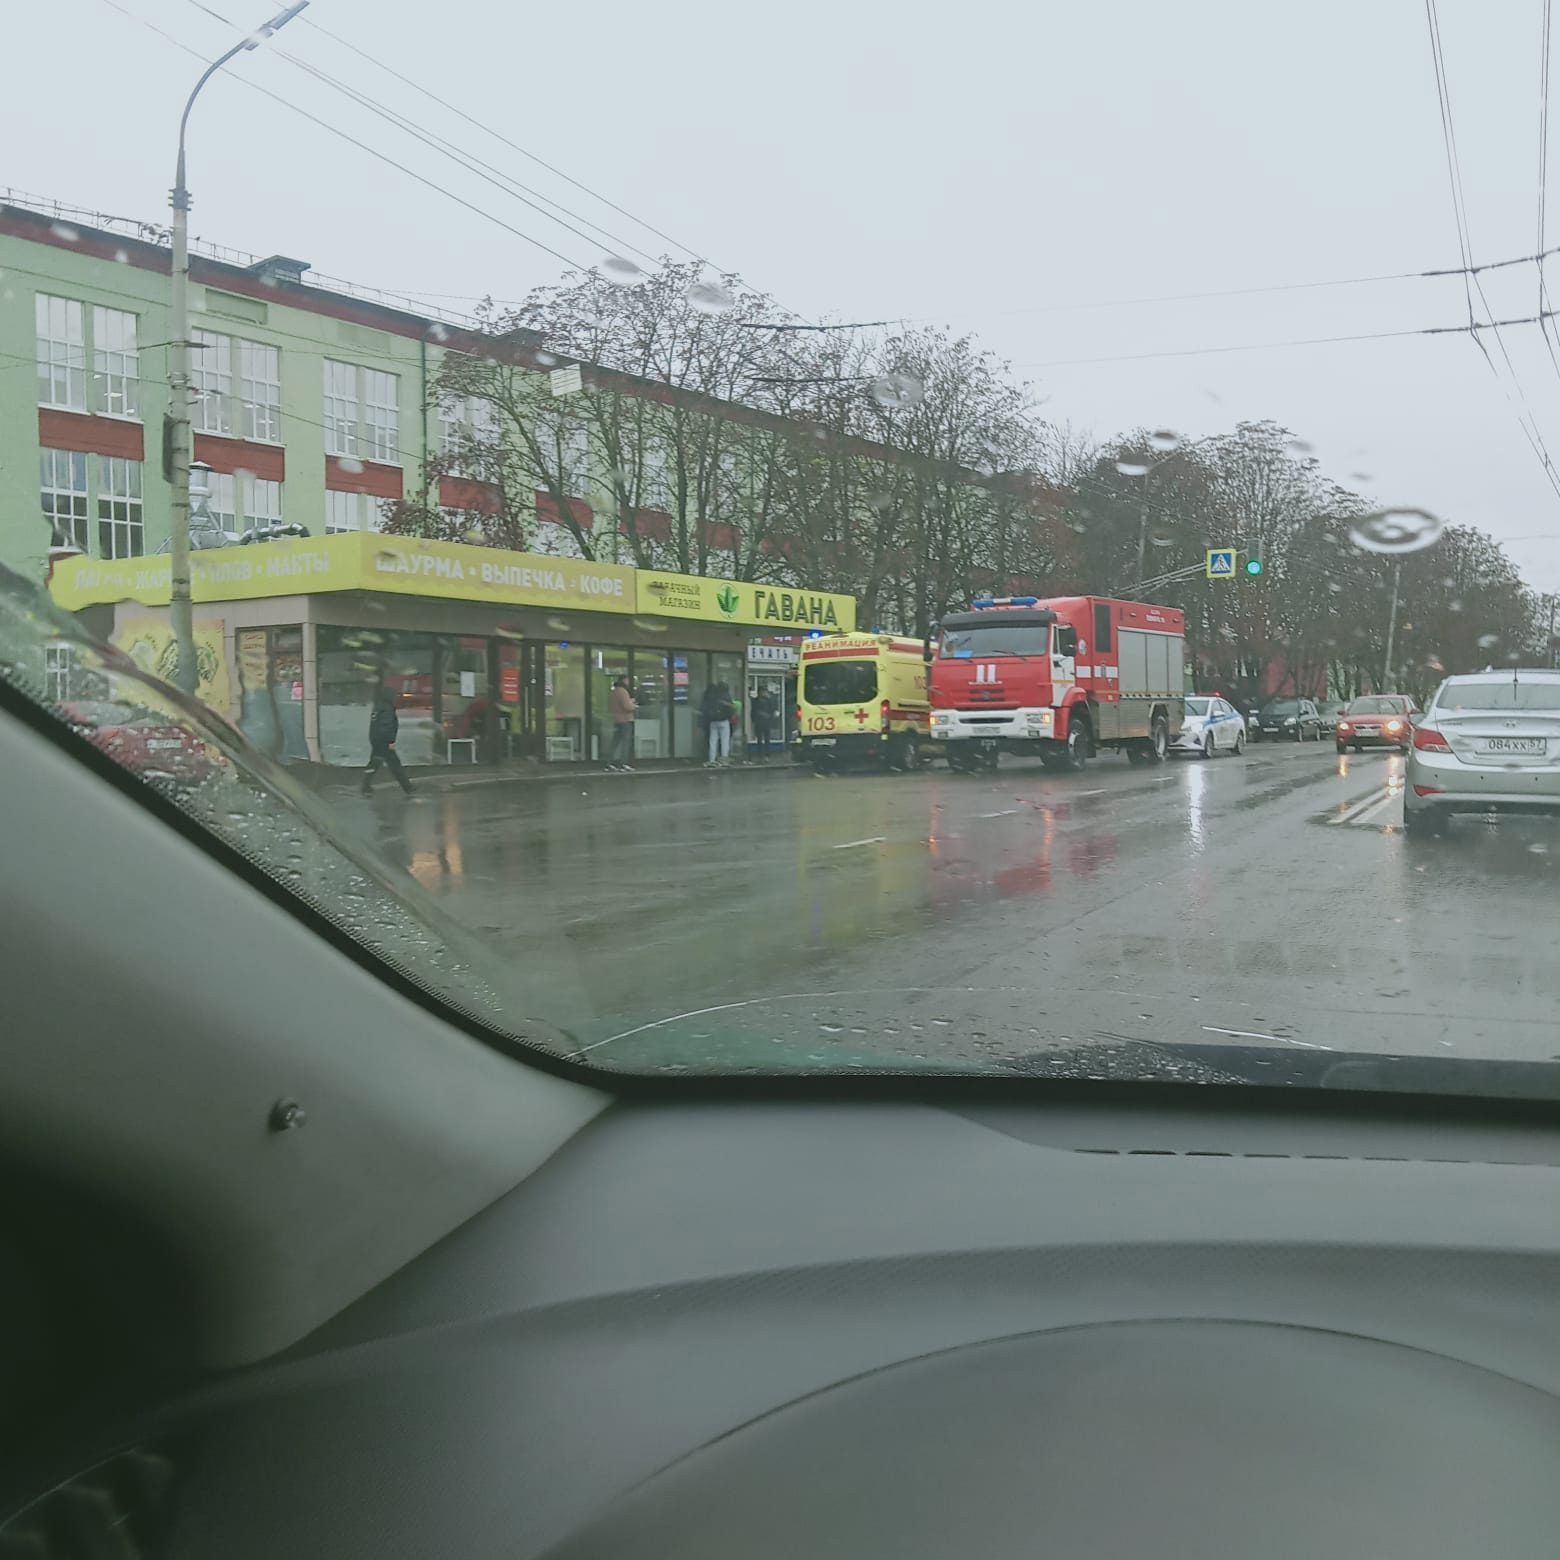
440 780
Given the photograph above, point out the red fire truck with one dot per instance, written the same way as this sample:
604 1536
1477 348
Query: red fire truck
1063 677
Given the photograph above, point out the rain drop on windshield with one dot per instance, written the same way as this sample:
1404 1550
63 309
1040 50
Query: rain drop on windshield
620 272
710 298
1396 531
898 390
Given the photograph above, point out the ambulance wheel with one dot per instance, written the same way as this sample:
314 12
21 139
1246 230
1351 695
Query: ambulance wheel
904 754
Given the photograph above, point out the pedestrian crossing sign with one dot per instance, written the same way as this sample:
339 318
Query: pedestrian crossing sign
1221 563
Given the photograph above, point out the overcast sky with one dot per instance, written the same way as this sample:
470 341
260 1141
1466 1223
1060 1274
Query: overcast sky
1013 169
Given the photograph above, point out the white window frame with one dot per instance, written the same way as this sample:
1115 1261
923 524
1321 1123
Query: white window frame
70 500
655 477
362 412
121 508
240 500
116 363
351 512
464 420
61 351
259 390
59 666
211 380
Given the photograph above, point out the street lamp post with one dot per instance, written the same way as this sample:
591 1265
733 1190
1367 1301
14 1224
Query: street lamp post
180 611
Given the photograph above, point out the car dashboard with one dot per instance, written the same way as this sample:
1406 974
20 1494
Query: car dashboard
906 1329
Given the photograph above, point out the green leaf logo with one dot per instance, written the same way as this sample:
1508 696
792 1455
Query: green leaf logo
728 601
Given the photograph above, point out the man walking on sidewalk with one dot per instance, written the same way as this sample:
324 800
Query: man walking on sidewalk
384 725
621 707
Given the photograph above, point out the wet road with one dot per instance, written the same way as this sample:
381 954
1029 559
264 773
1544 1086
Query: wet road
1268 900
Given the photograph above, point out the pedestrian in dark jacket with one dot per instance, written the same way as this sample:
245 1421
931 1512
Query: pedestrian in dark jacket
716 711
384 725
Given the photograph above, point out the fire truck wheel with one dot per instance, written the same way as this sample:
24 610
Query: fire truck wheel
1076 753
1157 748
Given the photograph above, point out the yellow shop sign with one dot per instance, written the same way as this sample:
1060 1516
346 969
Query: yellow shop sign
466 573
776 607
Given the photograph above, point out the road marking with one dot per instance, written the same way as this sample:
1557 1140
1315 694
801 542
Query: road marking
1373 812
1252 1034
877 839
1007 812
1375 799
1097 791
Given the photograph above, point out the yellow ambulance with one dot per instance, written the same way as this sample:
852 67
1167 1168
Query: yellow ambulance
861 700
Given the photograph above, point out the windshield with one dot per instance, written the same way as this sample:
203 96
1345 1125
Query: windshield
476 522
1499 694
839 682
997 639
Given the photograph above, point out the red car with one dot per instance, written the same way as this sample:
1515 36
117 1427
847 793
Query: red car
146 743
1377 720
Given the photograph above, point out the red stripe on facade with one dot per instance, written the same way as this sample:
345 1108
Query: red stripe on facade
266 461
468 493
546 509
376 478
112 436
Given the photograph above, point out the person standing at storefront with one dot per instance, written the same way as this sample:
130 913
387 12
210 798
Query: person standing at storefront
716 713
762 705
622 708
384 726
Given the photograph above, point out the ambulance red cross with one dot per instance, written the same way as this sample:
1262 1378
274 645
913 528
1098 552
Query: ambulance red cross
1062 677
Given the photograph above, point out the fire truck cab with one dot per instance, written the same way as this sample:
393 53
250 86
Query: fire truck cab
1061 677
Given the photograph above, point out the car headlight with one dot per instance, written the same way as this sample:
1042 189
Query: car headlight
1290 721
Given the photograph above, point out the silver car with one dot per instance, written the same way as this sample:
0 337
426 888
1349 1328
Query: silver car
1489 742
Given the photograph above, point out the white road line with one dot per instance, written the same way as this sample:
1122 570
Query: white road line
877 839
1351 813
1252 1034
1097 791
1373 812
1007 812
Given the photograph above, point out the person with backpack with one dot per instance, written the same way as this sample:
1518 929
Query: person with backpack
716 711
384 726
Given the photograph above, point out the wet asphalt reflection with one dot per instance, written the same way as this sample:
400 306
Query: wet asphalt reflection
1266 900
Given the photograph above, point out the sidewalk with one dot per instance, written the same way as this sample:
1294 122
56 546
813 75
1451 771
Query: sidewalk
443 777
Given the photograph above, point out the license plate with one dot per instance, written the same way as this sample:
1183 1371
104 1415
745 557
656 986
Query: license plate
1527 746
160 747
823 741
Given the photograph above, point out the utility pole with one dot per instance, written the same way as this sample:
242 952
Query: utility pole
179 438
1397 575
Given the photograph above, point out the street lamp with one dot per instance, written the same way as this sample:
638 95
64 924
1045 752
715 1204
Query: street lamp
180 613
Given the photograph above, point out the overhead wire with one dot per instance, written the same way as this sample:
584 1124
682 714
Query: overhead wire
1543 179
352 140
467 159
1472 282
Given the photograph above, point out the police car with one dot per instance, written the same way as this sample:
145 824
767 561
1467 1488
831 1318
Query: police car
1212 725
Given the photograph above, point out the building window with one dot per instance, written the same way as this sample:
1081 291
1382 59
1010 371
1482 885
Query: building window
59 665
62 353
62 482
351 512
655 485
240 501
260 391
211 375
381 415
116 363
121 532
467 428
238 387
362 412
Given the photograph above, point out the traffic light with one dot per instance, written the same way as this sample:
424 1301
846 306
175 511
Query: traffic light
1253 566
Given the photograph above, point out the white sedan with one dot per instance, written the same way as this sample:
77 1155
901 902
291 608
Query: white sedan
1213 725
